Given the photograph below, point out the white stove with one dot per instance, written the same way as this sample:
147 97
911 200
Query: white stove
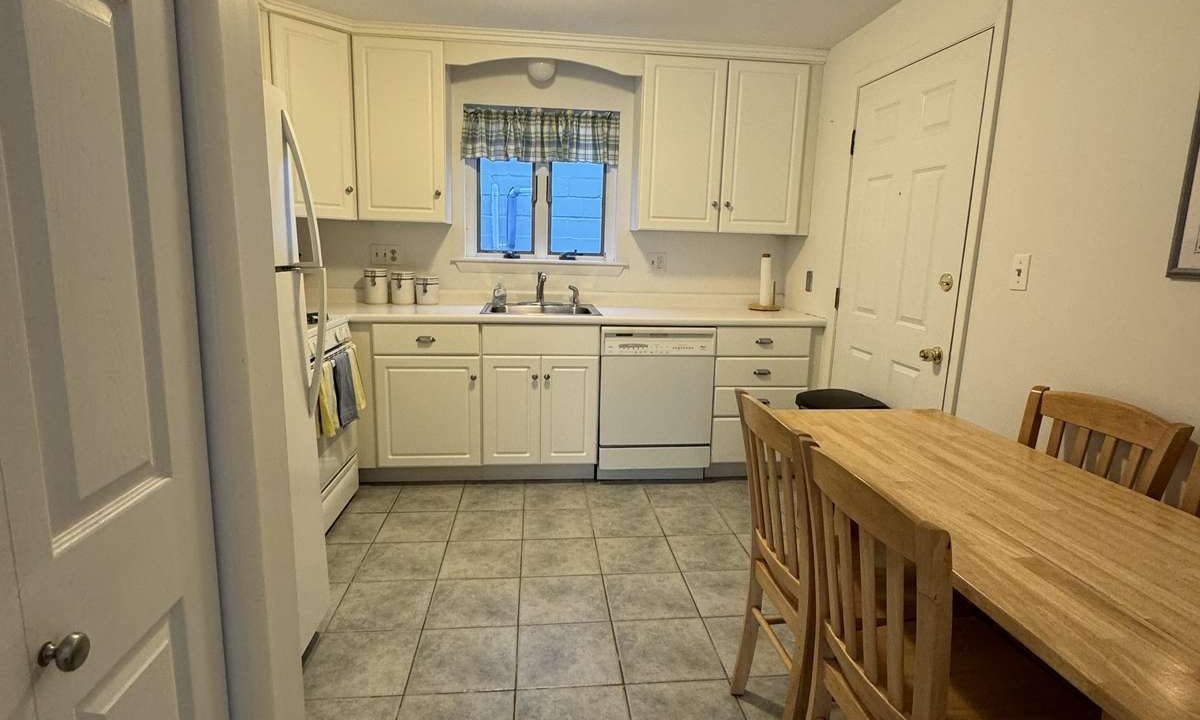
337 457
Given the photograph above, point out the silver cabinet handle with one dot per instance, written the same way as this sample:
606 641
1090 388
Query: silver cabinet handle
535 377
765 401
426 339
762 372
546 377
728 205
68 655
764 341
716 204
349 189
474 378
437 194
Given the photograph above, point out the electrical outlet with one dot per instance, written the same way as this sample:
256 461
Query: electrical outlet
385 254
658 261
1018 276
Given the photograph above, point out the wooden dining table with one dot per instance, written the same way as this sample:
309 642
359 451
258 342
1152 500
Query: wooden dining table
1101 583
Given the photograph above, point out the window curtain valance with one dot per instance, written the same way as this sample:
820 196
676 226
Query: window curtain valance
540 134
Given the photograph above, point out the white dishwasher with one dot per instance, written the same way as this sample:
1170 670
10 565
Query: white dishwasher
656 393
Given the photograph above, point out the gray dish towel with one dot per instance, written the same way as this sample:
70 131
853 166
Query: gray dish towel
343 386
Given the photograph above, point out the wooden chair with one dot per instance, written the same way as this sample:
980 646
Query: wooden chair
937 668
780 554
1155 445
1190 500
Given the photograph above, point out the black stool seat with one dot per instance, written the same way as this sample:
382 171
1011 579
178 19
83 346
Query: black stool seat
836 399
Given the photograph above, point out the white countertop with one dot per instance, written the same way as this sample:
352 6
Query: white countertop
609 315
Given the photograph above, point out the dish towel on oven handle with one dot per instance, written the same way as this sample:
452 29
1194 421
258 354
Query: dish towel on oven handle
344 388
360 392
327 413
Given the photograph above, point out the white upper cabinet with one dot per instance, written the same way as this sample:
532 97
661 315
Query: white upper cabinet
722 146
311 64
400 116
679 153
765 122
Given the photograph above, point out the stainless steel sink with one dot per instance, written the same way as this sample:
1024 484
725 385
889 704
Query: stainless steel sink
536 308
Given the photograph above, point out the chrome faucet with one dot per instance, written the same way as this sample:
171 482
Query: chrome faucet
574 294
541 288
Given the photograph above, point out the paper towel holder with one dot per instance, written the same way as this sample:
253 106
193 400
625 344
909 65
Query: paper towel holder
767 308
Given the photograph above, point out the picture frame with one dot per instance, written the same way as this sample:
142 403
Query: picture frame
1185 246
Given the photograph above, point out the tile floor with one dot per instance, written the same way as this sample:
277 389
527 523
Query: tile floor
573 601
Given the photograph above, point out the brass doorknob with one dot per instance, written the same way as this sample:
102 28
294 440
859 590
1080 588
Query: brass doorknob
68 655
931 354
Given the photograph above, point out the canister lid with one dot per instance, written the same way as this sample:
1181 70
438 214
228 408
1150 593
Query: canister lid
427 279
375 272
403 274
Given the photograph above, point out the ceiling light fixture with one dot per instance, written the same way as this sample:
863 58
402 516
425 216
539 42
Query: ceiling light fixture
541 71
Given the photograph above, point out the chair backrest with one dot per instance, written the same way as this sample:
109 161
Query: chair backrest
851 523
1190 500
1154 445
775 472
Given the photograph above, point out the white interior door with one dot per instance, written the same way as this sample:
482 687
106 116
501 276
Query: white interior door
910 194
102 439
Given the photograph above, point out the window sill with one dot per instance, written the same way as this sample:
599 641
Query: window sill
581 266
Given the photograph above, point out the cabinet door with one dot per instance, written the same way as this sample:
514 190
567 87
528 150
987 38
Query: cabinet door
311 64
765 121
679 157
400 115
511 412
570 409
427 411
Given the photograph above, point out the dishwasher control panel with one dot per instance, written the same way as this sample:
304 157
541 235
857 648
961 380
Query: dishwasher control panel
659 341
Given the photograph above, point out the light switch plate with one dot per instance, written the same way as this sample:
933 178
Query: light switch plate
658 261
385 254
1018 276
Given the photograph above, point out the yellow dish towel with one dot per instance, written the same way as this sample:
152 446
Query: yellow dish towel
360 394
327 409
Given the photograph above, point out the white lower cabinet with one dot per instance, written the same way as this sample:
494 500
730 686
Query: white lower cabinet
427 411
570 409
540 409
511 410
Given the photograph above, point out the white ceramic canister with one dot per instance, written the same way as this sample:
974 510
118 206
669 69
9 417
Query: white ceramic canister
403 287
375 286
427 289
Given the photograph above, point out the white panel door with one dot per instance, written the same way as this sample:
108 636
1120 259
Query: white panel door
400 116
427 411
910 194
511 410
765 119
311 64
570 409
102 438
679 154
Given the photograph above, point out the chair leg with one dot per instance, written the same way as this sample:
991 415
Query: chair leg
820 702
799 687
745 656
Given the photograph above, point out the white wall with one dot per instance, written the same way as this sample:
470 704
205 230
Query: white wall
723 265
1094 123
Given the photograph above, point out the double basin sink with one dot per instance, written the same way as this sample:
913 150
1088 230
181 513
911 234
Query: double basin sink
540 308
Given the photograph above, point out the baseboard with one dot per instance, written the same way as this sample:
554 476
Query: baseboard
477 473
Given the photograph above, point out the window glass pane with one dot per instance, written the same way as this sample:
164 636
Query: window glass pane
577 208
505 206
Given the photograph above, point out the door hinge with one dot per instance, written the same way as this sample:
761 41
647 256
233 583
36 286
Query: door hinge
837 298
853 137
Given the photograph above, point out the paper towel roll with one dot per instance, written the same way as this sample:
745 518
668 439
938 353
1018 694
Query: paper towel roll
765 281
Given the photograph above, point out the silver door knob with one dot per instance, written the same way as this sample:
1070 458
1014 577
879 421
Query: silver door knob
931 354
68 655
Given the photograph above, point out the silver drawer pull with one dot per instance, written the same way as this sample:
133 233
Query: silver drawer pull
764 341
765 401
426 339
762 372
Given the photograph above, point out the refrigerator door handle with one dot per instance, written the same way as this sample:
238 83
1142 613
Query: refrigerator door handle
289 140
314 384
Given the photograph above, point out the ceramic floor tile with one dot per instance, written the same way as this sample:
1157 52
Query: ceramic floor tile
581 703
719 592
555 496
683 701
416 526
559 557
465 660
552 524
360 664
569 599
635 555
726 634
493 496
646 597
729 493
691 520
358 708
631 521
336 591
487 525
678 494
483 559
344 560
401 561
666 650
355 528
737 517
373 499
463 706
765 698
708 552
383 606
744 539
474 603
428 497
567 656
616 495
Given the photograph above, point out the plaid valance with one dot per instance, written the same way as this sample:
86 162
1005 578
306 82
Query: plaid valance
540 134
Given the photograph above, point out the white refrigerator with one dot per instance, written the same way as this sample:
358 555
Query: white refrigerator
294 266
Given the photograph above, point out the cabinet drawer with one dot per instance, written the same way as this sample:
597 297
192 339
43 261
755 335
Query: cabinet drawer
752 342
766 372
725 401
727 443
426 339
540 340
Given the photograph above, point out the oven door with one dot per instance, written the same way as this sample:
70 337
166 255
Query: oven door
654 401
333 453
